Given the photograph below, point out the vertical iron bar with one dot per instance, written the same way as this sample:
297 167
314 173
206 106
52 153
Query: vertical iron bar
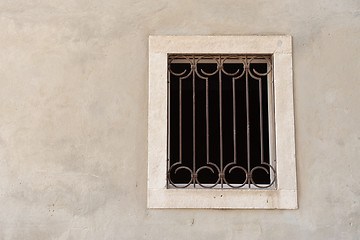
234 116
180 120
221 130
168 123
193 88
261 123
247 119
207 121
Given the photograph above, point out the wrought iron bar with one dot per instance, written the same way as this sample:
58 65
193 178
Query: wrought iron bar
207 122
180 120
234 117
193 122
247 119
221 126
168 124
261 123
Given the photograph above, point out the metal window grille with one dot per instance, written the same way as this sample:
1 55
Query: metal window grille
220 121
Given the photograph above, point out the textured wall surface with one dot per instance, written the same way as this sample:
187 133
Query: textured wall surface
73 118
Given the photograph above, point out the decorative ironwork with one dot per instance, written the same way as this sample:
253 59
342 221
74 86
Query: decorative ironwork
242 70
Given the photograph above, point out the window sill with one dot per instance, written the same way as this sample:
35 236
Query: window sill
222 198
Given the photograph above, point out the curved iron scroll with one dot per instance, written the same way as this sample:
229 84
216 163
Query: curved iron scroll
222 170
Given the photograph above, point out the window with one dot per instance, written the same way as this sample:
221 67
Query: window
221 130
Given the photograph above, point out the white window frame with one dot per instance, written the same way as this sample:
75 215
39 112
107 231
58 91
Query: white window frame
285 195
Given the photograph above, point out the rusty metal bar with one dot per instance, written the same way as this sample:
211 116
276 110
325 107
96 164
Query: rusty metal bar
168 124
207 122
234 117
247 119
180 120
193 130
261 123
221 126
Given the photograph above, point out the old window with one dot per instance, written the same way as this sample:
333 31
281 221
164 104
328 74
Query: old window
221 127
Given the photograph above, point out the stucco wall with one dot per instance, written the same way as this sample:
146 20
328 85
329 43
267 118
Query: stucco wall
73 118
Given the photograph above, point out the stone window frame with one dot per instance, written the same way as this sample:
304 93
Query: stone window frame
158 195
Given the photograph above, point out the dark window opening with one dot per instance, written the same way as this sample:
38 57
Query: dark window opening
205 97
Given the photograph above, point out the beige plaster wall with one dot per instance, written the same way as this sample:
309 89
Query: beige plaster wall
73 118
